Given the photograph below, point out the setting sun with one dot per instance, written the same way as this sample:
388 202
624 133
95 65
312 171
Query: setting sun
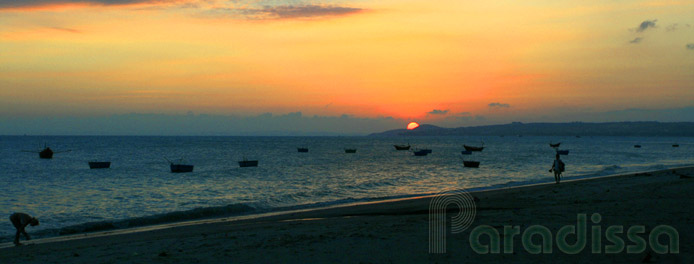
412 125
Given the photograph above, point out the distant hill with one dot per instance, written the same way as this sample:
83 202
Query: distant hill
643 129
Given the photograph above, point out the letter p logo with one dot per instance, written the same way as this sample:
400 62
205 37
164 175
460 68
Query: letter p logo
438 207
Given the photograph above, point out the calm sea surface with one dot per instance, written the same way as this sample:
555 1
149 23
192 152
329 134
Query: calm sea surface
139 189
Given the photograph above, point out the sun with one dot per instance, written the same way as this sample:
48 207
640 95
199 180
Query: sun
412 125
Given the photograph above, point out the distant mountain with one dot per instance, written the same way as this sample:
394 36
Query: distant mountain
644 129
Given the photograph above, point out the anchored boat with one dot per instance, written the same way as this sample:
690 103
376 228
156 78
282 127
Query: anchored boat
402 147
248 163
99 164
473 148
471 164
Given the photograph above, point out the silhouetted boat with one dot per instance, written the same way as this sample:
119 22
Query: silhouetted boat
471 164
248 163
99 164
563 152
555 145
466 152
402 147
350 150
422 152
675 145
46 153
428 151
472 148
637 146
302 149
176 168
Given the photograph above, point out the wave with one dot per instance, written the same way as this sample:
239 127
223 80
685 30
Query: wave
193 214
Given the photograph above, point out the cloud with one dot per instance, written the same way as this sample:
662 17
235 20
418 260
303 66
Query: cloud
70 30
672 27
646 25
499 105
37 3
283 12
267 124
636 41
239 9
438 112
690 46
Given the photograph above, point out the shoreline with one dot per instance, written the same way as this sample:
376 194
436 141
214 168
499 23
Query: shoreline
528 204
290 209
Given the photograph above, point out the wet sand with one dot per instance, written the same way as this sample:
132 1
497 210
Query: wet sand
398 231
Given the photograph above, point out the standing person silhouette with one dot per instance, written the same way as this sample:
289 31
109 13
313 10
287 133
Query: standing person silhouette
557 168
20 222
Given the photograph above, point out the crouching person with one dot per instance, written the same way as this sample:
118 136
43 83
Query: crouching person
20 222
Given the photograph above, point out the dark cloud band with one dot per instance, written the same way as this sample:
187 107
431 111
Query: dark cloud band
33 3
499 105
438 112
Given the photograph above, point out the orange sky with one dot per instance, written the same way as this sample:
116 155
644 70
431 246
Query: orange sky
363 58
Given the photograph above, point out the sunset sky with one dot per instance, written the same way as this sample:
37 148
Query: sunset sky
453 63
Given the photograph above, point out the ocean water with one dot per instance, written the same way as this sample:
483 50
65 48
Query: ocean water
139 189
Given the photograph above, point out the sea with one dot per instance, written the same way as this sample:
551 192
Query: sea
139 189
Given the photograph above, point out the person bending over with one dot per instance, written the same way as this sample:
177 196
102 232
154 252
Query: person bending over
20 222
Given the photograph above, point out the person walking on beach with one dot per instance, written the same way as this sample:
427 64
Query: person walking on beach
557 168
20 222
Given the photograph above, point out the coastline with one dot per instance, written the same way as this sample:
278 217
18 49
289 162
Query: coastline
244 212
378 231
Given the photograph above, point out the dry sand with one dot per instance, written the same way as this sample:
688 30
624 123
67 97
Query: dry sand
398 231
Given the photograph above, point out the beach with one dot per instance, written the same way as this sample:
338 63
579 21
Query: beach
398 231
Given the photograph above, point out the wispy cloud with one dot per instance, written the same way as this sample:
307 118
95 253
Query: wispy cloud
38 3
646 25
70 30
690 46
278 12
438 112
636 40
303 11
237 9
672 27
499 105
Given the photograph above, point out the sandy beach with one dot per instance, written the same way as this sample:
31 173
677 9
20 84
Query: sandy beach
398 231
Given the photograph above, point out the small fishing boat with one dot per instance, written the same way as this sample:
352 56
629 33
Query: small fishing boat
402 147
466 152
303 150
99 164
473 148
248 163
177 168
554 145
428 151
637 146
46 153
471 164
420 152
675 145
350 150
563 152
